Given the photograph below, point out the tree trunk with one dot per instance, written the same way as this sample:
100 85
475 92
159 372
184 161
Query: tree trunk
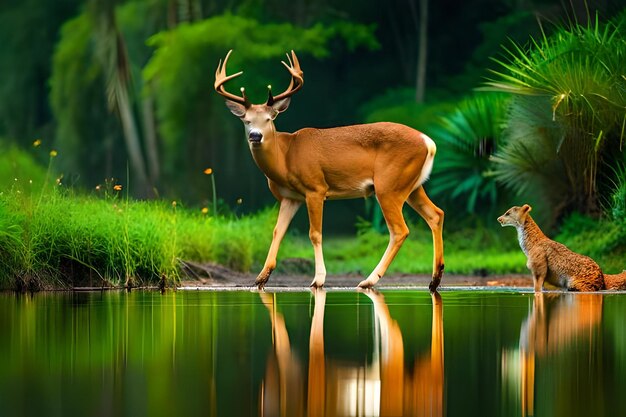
113 56
133 146
422 52
149 131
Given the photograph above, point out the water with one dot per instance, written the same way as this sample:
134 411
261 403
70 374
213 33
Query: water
464 353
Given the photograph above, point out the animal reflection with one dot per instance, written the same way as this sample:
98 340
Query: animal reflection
556 321
383 387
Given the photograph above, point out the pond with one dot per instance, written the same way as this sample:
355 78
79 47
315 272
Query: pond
334 353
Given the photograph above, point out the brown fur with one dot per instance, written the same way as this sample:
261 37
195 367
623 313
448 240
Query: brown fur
314 165
615 281
553 262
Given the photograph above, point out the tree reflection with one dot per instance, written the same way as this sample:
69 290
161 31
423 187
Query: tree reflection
384 387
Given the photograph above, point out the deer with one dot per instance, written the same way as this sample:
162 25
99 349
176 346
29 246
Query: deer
310 166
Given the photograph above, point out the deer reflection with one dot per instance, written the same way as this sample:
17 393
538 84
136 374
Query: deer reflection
556 321
417 391
383 387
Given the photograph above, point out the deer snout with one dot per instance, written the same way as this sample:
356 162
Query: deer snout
501 220
255 136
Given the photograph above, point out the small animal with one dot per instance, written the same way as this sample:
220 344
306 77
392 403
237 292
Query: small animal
553 262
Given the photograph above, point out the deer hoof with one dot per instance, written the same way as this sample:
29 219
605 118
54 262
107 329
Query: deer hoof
262 279
365 284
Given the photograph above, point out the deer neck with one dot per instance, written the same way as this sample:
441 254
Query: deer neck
529 234
270 156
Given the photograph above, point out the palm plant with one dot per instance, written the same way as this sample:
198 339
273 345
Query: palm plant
528 161
571 108
466 140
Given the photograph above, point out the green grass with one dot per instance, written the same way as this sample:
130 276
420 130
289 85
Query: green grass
52 236
466 252
67 240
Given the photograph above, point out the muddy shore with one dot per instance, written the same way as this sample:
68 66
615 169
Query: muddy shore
217 276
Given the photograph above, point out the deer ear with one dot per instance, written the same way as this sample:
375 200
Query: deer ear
237 109
281 105
526 208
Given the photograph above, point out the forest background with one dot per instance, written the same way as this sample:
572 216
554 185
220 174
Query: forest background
113 140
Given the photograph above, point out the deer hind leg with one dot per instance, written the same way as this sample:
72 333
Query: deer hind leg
434 218
288 209
391 206
315 208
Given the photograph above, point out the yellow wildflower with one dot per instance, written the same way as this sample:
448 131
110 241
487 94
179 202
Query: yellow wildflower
205 210
117 187
53 153
37 143
208 171
239 200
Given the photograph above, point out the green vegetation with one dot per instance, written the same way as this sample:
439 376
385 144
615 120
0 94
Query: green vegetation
52 236
471 252
566 126
123 90
467 138
604 240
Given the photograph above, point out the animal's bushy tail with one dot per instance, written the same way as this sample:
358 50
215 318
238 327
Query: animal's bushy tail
615 281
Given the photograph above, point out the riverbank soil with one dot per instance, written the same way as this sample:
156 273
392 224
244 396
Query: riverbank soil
209 275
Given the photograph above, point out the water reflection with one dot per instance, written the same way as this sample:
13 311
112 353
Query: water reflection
383 387
562 325
325 353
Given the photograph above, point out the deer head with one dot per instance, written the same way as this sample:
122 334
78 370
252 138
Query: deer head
258 119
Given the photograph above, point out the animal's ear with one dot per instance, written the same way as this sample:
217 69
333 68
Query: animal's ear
526 208
280 106
237 109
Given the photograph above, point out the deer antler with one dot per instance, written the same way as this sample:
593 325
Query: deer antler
296 83
221 78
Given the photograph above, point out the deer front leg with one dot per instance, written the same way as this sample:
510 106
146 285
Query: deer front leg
287 210
315 208
391 206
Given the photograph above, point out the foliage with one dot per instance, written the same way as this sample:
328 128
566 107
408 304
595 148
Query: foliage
617 203
603 240
84 240
19 168
181 70
580 71
51 236
466 140
28 29
528 162
398 105
516 26
86 139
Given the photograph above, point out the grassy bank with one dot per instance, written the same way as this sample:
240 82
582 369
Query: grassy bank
52 236
82 240
60 239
